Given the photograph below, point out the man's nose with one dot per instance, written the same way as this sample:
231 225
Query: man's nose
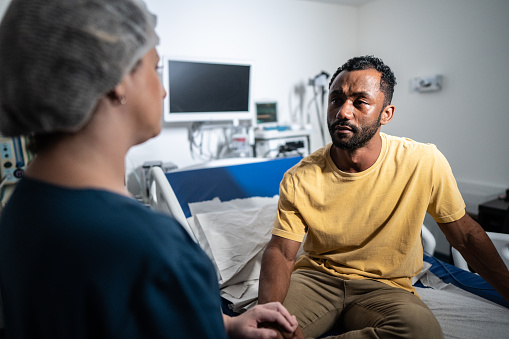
345 111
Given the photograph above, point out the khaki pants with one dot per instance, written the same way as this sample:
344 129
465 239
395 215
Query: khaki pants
357 308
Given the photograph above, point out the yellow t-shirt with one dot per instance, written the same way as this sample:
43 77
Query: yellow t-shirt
367 225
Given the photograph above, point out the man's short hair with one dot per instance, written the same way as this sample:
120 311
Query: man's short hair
387 81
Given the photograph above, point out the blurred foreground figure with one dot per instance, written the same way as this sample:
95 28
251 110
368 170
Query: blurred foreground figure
79 258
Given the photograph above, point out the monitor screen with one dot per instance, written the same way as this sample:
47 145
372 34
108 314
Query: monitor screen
266 113
206 91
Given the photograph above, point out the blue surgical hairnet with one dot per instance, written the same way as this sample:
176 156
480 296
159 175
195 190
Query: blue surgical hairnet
59 57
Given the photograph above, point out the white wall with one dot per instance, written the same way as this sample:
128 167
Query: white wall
288 42
467 42
3 6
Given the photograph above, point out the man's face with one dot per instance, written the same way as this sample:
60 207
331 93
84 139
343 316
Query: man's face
355 108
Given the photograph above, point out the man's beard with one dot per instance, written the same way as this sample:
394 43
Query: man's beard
360 137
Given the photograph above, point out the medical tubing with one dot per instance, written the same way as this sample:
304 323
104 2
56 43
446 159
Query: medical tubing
318 114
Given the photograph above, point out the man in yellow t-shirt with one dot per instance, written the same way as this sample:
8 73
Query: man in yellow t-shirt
360 202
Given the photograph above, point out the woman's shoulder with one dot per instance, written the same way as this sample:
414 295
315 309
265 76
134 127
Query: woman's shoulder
95 214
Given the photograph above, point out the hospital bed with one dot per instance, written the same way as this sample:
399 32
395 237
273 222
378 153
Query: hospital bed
233 196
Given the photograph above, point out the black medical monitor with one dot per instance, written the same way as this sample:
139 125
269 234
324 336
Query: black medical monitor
206 91
266 113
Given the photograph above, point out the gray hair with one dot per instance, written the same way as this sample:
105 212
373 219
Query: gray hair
59 57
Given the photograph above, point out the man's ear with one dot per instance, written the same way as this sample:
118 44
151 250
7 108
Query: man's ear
387 114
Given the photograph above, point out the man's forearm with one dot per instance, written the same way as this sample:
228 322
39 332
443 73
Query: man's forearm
482 256
274 276
470 239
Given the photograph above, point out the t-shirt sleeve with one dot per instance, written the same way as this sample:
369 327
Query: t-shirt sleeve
446 203
288 223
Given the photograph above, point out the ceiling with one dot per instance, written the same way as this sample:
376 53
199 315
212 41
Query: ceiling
345 2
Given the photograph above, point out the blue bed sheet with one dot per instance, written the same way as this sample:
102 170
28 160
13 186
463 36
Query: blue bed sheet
260 179
465 280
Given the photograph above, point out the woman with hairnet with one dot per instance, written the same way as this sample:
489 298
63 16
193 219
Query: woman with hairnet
78 257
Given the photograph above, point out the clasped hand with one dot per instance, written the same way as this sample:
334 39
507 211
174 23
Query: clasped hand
261 322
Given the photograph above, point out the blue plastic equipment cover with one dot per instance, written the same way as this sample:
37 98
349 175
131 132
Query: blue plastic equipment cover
258 179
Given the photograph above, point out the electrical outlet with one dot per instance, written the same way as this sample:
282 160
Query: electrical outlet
5 150
427 84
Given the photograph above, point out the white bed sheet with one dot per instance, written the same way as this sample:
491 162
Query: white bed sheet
242 227
460 313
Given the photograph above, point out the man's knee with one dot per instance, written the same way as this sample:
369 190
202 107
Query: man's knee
403 316
414 321
316 300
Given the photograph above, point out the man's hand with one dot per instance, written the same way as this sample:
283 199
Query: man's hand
249 324
281 334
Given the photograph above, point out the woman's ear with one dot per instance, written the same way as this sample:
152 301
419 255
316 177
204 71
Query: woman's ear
112 95
387 114
116 95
